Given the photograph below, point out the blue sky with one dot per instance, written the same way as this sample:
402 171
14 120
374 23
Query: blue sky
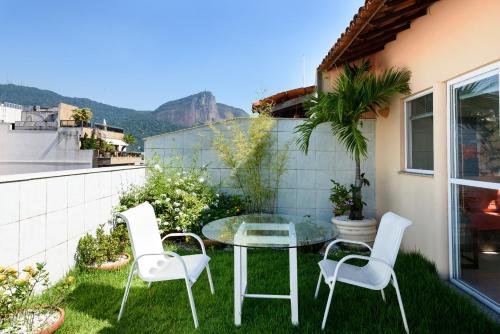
140 54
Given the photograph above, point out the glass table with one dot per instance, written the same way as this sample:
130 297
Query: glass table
267 231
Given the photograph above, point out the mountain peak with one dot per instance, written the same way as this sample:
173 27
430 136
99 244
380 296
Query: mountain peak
195 109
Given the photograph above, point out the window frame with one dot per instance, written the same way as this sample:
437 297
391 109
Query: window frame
453 181
407 141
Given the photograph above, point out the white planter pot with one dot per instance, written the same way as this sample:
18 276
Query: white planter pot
359 230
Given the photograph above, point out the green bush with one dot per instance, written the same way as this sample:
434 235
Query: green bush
93 251
182 200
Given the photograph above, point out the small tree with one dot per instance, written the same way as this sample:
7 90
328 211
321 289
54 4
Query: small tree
357 91
256 168
129 139
81 115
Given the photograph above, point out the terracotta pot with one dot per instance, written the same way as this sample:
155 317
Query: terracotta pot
115 265
54 326
213 244
359 230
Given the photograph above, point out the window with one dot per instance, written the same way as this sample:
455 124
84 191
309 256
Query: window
419 133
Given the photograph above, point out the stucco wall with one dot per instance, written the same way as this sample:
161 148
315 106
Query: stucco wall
43 215
31 151
457 36
305 187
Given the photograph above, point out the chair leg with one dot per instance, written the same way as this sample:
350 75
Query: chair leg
127 289
323 324
400 301
209 275
383 295
191 301
317 286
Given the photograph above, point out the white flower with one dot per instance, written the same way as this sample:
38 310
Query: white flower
158 167
217 195
178 174
157 201
193 193
176 204
201 179
178 228
206 207
177 210
184 173
176 217
178 191
169 180
181 213
167 199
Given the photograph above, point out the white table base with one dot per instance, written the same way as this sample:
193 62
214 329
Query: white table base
240 284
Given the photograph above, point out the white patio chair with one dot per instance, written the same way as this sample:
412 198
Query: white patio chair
377 273
152 263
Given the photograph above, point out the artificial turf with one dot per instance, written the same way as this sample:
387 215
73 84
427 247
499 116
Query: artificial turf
431 305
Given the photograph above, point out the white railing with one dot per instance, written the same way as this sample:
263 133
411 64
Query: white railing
11 105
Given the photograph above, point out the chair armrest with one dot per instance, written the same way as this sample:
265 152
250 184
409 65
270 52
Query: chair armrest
169 253
361 257
181 234
336 241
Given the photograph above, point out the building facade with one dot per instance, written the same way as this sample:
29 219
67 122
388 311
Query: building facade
437 150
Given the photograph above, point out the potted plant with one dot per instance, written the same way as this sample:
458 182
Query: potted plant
357 90
342 199
104 251
19 310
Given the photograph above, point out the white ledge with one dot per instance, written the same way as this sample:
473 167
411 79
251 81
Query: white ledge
44 175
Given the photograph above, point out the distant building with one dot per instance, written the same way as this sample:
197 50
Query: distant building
36 139
10 112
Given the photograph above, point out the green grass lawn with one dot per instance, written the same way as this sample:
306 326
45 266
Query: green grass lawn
431 305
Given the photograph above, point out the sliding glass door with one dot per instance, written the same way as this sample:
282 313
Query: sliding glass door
475 183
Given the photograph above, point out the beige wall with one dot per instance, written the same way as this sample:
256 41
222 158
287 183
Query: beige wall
456 37
65 111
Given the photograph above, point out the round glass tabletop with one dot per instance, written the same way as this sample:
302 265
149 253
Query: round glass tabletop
270 231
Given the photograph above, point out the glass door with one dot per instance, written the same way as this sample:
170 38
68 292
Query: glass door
475 184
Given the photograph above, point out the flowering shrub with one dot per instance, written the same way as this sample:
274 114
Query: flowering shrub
182 200
18 311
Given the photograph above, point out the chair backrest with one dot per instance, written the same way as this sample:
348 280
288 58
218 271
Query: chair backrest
387 243
144 234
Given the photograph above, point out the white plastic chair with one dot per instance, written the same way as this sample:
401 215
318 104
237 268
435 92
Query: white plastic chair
377 273
152 263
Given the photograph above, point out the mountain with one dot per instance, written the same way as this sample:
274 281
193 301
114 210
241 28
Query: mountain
195 109
173 115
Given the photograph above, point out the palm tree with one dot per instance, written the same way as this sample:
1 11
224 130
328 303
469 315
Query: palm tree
357 91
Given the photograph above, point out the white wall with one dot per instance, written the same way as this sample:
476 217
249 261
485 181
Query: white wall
10 113
43 215
305 188
32 151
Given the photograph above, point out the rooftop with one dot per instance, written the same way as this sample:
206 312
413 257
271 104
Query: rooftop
377 23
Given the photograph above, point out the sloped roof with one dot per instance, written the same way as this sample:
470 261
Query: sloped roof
285 96
377 23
